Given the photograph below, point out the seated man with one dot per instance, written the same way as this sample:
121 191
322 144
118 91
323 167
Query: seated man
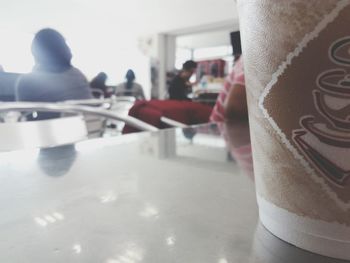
53 78
180 86
99 87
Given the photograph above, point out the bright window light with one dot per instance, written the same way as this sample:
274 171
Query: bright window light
212 52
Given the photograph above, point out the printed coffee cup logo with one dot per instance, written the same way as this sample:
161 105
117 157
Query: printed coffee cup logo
322 143
308 103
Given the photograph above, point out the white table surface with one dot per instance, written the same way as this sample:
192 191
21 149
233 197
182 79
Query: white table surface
147 197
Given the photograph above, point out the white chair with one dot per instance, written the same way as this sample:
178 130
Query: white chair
96 125
57 126
42 134
173 123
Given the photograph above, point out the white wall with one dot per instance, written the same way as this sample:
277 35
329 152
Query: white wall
103 34
205 39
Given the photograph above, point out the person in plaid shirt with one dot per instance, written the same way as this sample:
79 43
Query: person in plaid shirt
231 102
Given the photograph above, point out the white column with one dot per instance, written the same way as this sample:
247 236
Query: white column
166 51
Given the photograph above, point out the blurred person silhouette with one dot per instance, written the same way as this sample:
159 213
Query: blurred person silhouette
231 103
180 86
130 87
99 83
1 69
53 77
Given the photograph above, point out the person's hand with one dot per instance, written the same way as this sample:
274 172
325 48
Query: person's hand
235 105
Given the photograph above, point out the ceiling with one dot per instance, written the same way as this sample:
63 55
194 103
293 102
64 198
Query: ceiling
114 16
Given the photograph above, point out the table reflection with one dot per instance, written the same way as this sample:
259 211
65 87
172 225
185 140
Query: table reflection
236 136
57 161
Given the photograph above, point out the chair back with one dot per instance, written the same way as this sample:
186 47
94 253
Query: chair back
66 108
42 133
96 125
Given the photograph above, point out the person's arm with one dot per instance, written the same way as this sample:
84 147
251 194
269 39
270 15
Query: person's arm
141 93
235 104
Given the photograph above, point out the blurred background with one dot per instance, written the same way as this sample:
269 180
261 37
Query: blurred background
153 37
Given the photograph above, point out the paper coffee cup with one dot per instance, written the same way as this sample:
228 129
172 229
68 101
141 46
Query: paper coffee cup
297 64
268 248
